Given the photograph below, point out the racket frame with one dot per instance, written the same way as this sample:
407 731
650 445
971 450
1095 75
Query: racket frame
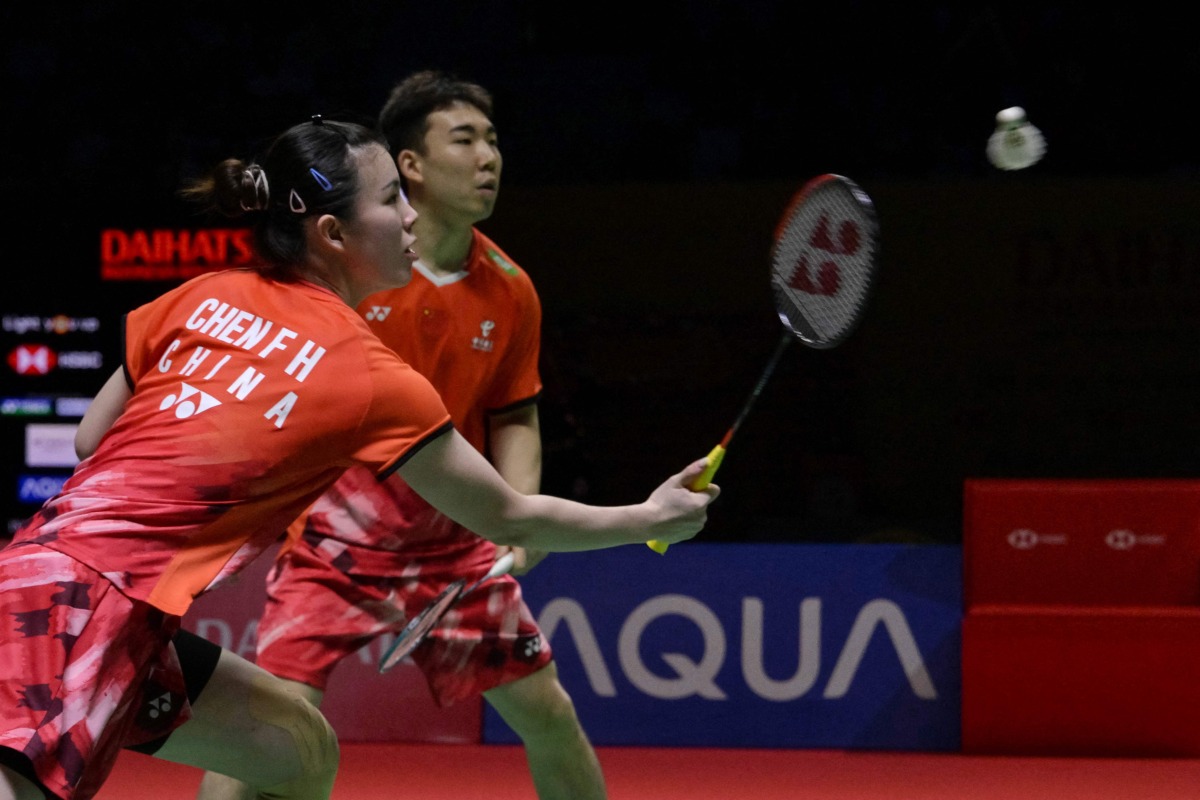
416 629
791 316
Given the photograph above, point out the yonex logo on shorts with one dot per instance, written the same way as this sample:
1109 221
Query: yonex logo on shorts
188 402
160 705
378 313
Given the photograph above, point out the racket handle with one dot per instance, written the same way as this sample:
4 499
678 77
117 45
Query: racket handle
699 483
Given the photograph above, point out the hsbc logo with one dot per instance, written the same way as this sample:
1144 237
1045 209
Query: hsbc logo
1026 539
378 313
1125 539
32 359
38 359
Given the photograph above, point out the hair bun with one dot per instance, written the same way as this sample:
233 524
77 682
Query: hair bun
255 191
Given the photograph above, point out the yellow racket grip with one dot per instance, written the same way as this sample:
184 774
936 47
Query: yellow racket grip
700 482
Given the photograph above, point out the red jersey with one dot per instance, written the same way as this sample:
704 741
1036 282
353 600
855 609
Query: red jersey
476 336
250 398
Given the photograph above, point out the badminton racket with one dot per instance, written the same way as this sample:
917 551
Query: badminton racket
417 628
823 263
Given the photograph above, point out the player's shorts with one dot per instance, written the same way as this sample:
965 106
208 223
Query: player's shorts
316 615
87 671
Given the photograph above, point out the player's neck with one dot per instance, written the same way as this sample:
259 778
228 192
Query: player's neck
443 248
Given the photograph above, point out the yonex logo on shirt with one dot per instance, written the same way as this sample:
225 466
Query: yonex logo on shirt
378 313
189 401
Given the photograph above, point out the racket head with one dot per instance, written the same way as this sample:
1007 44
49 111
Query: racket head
414 632
824 260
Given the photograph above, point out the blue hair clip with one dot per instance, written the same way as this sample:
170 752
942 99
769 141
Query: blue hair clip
321 179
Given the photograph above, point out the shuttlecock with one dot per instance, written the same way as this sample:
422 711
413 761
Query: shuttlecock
1016 143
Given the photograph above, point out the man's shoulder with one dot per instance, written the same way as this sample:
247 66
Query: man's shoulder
486 252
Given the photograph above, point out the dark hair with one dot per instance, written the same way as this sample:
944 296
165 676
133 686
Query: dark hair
404 118
307 170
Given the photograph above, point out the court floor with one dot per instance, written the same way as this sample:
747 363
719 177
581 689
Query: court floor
497 772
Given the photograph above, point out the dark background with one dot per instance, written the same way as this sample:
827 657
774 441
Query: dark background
648 151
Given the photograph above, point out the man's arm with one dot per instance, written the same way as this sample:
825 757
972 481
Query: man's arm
515 445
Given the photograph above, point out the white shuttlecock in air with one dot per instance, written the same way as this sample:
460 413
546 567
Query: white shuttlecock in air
1016 143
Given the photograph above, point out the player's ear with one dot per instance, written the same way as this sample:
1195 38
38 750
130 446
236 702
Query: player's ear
409 164
328 232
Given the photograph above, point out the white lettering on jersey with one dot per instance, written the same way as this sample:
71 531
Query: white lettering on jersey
218 320
195 321
195 360
218 365
254 334
277 342
245 383
304 358
164 363
281 409
223 322
233 326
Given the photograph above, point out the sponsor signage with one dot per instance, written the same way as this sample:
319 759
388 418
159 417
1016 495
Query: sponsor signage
26 407
71 406
22 324
172 254
32 359
38 359
725 645
39 488
50 445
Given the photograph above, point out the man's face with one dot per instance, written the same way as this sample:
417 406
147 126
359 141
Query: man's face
457 178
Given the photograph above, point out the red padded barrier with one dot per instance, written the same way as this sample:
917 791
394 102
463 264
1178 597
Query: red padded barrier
1081 542
1081 631
1081 682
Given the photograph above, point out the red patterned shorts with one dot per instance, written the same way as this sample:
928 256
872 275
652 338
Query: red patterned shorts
316 615
86 671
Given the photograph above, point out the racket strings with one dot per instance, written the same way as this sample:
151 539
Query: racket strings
822 264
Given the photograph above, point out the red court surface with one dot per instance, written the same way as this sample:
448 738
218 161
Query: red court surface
495 772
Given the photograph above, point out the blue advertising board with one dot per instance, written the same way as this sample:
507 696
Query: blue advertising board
727 645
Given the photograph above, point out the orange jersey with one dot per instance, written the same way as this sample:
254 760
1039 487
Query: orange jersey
476 336
250 398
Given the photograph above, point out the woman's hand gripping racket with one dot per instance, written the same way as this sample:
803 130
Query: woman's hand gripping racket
419 626
823 263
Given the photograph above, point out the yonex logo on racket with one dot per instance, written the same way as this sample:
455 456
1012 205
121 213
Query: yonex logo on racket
824 279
